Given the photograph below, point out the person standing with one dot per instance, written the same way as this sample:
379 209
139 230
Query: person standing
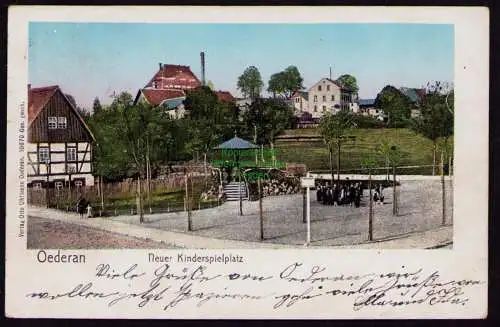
80 206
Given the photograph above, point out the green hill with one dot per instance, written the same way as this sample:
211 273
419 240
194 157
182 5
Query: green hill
416 149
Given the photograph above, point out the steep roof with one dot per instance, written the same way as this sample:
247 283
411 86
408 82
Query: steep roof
156 96
178 72
37 99
225 96
40 96
303 94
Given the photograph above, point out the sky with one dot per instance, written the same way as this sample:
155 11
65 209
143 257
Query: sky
89 60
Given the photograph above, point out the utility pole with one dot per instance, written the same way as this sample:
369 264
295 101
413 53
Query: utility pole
187 201
370 212
443 190
261 215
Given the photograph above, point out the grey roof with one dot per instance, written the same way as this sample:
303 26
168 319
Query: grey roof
173 103
366 102
236 143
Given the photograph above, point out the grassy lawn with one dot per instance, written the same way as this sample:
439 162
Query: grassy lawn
416 149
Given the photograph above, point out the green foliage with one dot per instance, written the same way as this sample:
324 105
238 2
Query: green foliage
96 107
126 134
250 83
436 117
209 120
349 81
394 104
270 116
285 82
333 128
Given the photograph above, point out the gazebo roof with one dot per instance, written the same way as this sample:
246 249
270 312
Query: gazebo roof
236 143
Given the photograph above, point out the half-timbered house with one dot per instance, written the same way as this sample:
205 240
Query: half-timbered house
59 141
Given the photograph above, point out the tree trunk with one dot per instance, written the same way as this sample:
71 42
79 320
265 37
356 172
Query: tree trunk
148 181
338 161
272 153
394 198
260 211
330 150
387 165
443 191
434 148
139 200
370 210
187 202
102 193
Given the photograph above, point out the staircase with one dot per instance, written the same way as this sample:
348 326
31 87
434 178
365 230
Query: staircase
232 192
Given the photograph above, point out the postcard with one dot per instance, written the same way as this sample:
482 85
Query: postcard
247 162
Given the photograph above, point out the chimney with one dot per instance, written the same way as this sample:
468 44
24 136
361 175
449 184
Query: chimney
29 87
330 72
160 64
202 55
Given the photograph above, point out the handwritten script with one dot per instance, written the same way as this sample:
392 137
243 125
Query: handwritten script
168 286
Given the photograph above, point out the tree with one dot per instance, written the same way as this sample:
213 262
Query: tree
285 82
209 120
395 156
384 148
395 105
211 85
349 81
268 118
436 116
250 83
334 128
369 163
96 107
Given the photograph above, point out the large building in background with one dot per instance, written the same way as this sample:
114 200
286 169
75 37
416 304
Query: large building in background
59 148
326 95
170 85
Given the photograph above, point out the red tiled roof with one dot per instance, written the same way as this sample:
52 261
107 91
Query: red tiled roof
177 72
37 99
156 96
224 96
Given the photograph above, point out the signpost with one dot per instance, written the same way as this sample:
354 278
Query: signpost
308 182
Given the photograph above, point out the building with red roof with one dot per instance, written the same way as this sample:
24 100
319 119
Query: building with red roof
59 149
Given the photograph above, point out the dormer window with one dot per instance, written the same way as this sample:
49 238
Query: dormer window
319 87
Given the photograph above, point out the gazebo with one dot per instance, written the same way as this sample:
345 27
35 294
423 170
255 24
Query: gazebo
237 145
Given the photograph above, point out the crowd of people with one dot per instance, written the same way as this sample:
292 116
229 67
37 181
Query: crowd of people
346 194
276 187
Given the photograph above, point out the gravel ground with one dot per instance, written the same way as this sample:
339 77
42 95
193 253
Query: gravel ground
419 210
51 234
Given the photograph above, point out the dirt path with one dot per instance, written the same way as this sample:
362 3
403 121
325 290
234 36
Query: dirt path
50 234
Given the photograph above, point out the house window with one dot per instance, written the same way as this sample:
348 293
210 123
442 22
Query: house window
324 98
37 185
52 122
315 108
71 154
315 98
62 122
71 168
319 87
324 108
297 100
328 87
333 97
43 155
58 185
